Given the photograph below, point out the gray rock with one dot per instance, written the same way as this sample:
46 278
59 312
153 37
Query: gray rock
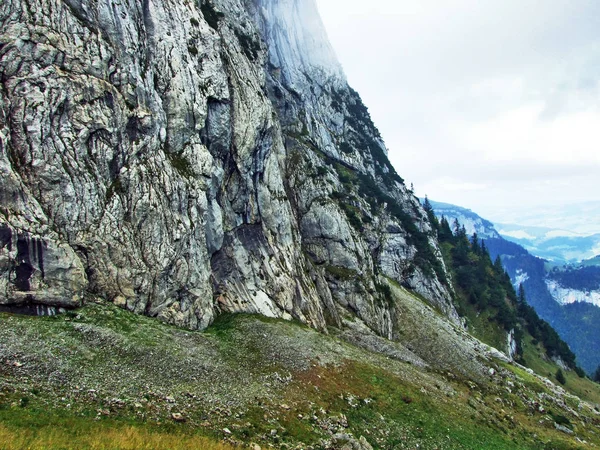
345 441
182 165
563 428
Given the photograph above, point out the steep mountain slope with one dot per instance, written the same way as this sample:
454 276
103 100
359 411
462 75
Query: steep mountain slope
575 284
576 323
183 159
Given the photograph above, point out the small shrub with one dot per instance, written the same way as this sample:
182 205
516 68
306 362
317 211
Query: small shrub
341 273
251 49
560 419
211 16
181 164
346 148
385 292
322 171
352 215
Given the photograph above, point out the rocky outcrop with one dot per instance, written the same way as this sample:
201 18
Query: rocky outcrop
182 159
512 344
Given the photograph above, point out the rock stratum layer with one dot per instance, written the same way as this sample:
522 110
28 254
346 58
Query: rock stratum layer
184 158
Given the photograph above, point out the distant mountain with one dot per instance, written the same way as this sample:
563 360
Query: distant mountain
557 245
575 284
595 261
471 221
558 295
582 218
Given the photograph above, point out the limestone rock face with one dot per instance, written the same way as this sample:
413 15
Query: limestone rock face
188 158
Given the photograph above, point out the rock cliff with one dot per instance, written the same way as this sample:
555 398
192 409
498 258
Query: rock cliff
184 158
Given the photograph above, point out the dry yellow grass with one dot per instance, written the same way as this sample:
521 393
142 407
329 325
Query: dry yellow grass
122 438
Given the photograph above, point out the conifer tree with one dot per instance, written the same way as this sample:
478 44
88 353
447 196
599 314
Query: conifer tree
597 375
445 233
521 296
498 265
475 243
430 213
456 227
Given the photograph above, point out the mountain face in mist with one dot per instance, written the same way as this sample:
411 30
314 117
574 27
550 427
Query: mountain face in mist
467 218
183 159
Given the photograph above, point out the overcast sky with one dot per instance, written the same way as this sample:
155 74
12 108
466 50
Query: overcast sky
488 104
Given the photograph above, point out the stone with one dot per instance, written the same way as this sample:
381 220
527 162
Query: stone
177 417
563 428
345 441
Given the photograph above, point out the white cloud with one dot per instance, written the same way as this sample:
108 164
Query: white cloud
521 135
488 105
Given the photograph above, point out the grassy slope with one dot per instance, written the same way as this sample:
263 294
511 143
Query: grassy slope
534 357
582 387
105 378
39 429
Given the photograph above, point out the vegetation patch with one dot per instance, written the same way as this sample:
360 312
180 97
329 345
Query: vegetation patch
211 15
41 428
385 293
250 46
181 164
352 213
341 273
102 377
346 148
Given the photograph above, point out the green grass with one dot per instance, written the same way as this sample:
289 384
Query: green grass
581 387
38 427
405 416
267 380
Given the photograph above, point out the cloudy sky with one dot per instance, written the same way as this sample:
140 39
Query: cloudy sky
492 105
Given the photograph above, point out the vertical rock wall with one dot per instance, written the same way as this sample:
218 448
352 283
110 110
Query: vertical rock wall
186 158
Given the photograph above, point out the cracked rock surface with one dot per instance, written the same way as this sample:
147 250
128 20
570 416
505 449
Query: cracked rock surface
182 159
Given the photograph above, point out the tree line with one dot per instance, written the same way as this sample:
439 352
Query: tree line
486 286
